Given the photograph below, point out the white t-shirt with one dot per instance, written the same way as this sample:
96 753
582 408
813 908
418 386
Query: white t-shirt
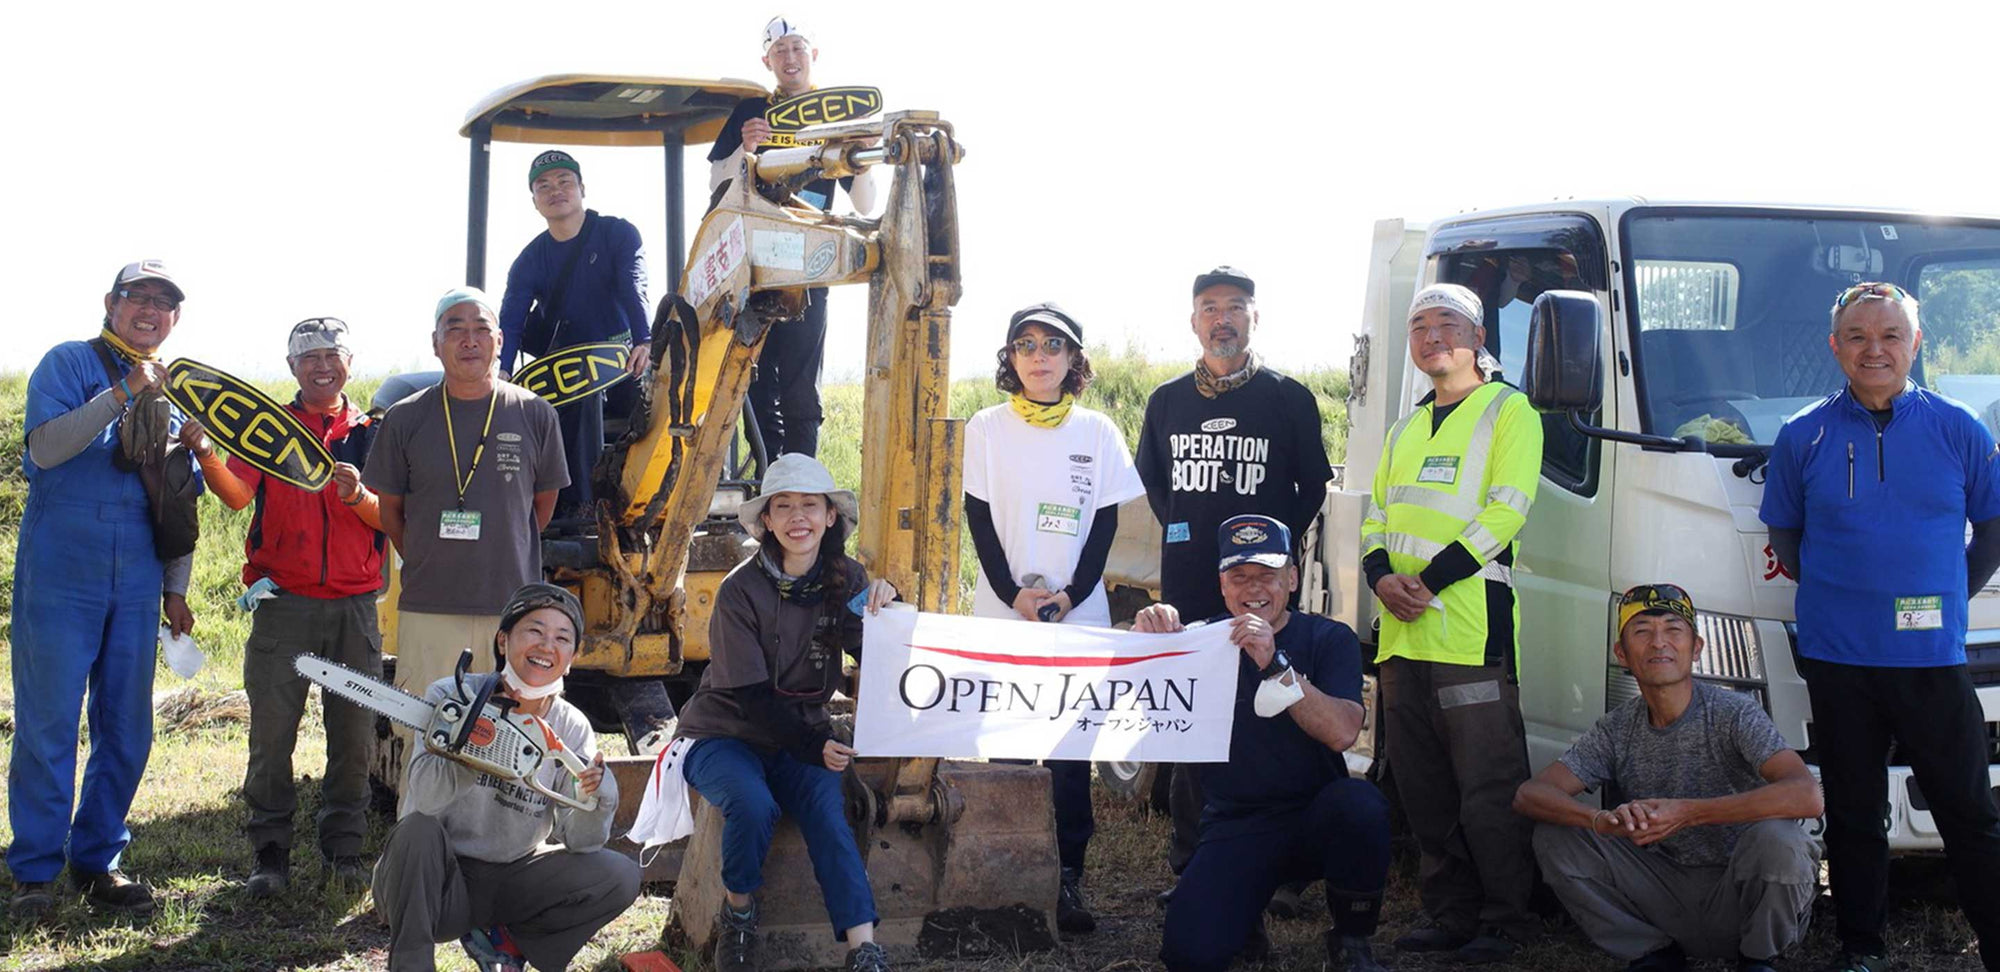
1045 487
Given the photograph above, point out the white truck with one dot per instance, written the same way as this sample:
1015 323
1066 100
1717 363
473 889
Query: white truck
1706 328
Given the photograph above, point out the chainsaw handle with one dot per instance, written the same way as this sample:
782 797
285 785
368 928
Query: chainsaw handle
570 761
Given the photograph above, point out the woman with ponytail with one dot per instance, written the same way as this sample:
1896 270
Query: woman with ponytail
1043 480
756 739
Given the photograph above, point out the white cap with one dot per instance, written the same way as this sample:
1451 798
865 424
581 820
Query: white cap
1451 297
779 28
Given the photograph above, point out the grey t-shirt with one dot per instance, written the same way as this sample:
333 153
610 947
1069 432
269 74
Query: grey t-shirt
412 458
1714 749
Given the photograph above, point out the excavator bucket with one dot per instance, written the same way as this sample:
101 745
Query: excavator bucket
977 879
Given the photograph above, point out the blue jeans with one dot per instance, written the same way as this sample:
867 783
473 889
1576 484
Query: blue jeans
751 789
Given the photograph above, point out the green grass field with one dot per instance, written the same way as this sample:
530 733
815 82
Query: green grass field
188 819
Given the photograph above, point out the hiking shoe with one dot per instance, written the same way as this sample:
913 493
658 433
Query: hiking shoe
32 900
867 957
1489 946
113 891
1431 938
1668 959
1856 962
1350 953
1071 913
1285 903
493 950
736 939
345 871
272 874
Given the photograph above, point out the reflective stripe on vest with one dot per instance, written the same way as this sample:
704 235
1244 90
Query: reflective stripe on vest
1465 503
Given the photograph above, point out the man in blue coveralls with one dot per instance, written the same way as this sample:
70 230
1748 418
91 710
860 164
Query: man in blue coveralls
1868 497
89 593
1283 808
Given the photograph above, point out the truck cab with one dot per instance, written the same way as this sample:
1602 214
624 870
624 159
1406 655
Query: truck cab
1710 330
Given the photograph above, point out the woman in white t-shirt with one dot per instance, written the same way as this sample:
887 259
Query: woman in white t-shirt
1043 480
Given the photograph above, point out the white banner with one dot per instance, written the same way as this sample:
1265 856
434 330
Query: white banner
951 686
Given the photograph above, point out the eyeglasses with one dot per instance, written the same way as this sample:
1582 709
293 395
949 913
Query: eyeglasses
1053 344
140 299
1870 291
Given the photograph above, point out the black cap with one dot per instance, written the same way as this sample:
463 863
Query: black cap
534 597
1225 275
1048 315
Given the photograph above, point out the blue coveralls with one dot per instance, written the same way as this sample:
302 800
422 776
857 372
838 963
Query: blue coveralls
86 616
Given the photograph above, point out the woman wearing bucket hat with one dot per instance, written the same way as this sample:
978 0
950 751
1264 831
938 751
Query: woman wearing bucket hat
1043 480
761 740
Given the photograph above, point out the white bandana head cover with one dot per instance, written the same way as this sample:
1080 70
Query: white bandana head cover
1451 297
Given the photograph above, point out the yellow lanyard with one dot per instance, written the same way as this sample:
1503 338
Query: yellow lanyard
478 450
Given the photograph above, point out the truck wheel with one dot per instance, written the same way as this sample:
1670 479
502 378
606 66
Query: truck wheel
1144 784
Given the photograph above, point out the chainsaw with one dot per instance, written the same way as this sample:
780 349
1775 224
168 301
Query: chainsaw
475 727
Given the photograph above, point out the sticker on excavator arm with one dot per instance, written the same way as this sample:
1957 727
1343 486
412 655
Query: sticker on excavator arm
250 424
818 107
576 372
715 264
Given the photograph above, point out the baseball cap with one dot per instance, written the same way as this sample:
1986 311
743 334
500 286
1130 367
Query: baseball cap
552 159
1048 315
780 28
1653 598
317 333
1253 538
534 597
1225 275
459 295
1451 297
148 270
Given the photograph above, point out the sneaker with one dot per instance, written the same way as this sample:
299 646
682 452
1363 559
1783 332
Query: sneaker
113 891
32 900
345 871
1431 938
272 874
1668 959
493 950
1072 915
1856 962
1285 904
1350 953
1489 946
736 939
867 957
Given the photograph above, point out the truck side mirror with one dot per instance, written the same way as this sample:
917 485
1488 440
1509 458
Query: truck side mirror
1562 372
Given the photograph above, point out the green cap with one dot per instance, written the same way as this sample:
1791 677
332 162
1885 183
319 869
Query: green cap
552 159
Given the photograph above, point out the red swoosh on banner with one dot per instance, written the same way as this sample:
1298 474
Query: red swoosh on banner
1045 661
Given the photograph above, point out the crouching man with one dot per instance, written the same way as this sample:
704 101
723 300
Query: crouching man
1283 808
1706 857
492 863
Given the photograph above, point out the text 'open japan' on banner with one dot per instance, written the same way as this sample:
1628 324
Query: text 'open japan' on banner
950 686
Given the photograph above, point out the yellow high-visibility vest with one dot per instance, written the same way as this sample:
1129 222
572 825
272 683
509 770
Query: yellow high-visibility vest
1470 483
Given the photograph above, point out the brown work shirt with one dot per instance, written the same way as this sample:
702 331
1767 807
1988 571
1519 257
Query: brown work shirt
756 636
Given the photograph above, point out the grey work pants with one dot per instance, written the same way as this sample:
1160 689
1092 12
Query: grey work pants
551 900
338 629
1457 753
1632 900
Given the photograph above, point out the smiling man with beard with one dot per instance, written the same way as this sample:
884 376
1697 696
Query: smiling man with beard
1705 856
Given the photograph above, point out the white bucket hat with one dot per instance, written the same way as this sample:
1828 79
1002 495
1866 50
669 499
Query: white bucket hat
796 472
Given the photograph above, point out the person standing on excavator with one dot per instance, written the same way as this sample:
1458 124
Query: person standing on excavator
784 395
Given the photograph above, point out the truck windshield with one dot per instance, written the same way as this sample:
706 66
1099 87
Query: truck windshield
1731 313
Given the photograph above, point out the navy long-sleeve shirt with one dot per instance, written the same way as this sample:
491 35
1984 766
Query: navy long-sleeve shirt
605 299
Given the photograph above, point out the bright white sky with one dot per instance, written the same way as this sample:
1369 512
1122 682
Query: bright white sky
293 160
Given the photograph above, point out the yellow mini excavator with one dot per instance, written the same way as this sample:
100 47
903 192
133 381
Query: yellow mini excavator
961 856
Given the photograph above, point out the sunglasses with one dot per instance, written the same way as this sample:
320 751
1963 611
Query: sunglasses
320 325
1870 291
1053 344
1655 594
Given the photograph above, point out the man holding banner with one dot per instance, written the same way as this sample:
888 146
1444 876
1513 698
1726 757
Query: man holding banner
1283 808
784 395
313 563
582 281
467 471
90 588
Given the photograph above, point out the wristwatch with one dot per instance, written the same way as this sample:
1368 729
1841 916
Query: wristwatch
1279 663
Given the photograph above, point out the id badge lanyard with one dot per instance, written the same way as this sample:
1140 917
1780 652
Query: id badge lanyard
478 448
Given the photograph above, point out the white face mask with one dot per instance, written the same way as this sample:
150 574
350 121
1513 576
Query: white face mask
522 690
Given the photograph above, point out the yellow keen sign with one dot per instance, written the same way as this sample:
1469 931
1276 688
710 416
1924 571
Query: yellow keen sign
575 372
818 107
250 424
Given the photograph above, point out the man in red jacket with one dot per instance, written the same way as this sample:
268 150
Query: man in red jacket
313 566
